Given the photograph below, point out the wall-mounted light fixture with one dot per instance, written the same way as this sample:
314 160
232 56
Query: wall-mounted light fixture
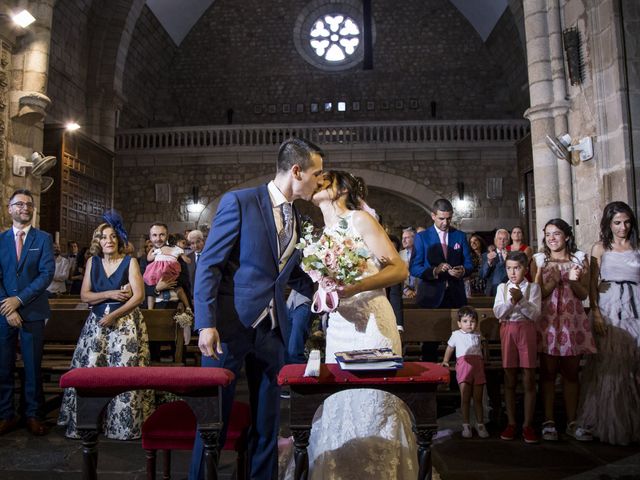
72 126
23 19
571 40
460 187
195 206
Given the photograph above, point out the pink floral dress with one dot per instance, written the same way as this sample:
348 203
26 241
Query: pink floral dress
563 329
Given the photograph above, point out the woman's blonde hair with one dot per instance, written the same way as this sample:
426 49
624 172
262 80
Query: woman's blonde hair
95 249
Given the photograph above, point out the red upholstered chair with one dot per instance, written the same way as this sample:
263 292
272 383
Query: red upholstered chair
173 427
201 388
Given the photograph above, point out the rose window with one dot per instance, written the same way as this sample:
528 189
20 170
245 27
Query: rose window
334 37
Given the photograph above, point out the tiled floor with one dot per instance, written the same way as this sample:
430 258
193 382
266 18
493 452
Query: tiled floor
23 457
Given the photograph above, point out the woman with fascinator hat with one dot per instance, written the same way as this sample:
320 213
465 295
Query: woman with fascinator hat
114 334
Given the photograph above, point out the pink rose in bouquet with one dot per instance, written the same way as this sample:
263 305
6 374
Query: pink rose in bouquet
331 259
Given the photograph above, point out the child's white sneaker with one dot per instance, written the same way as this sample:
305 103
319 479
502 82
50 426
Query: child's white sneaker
466 431
549 432
482 430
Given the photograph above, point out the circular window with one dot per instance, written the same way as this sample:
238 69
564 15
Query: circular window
328 34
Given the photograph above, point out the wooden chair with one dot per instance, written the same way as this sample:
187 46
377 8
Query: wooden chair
173 427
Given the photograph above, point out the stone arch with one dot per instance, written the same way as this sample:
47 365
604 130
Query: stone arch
112 24
411 191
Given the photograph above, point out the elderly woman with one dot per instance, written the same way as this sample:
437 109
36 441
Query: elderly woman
114 334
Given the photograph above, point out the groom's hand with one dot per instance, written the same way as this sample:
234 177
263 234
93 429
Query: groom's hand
209 342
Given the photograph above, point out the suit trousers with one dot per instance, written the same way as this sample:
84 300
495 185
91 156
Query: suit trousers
261 350
300 318
31 345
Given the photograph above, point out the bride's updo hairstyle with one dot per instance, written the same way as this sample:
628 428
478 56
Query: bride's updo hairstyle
353 187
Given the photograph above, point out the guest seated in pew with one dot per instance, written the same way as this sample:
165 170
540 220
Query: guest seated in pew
467 343
58 285
476 284
517 306
114 334
77 274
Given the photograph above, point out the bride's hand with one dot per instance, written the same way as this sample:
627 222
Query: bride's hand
346 291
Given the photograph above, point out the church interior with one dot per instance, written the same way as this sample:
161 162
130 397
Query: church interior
517 111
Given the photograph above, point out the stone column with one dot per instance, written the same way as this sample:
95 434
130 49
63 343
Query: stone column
560 108
31 100
540 114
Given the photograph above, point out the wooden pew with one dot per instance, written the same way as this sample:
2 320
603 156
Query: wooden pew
436 325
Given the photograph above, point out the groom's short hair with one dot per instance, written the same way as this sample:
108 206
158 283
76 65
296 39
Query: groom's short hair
296 151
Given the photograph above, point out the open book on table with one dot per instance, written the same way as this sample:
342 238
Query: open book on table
369 359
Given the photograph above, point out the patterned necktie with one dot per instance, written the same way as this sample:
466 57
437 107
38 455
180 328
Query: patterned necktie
19 243
197 256
285 235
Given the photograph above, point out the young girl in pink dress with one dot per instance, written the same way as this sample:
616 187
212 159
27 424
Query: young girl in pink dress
164 265
564 330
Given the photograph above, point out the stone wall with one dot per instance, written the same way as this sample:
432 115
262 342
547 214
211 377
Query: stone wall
241 57
70 48
405 184
599 108
147 70
505 45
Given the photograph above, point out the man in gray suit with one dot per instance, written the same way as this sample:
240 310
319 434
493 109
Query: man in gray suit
195 239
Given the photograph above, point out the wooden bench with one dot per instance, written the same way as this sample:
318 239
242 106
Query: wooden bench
63 330
436 325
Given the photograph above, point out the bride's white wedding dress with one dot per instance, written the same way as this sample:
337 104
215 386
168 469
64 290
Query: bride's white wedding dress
362 432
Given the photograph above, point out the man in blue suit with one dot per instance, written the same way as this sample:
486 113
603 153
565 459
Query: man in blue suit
26 269
240 308
441 258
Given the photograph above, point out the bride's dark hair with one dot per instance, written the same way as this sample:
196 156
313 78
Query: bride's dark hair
353 187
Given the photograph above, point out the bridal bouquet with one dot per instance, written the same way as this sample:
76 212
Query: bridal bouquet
331 259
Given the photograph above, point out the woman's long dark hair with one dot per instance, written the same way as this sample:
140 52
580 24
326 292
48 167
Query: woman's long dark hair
353 187
610 211
570 243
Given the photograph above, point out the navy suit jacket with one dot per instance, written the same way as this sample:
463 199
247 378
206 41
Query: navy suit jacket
493 274
29 278
238 270
428 254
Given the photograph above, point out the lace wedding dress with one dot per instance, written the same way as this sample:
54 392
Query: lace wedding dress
362 432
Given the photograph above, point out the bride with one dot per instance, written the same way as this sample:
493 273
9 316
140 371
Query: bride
361 431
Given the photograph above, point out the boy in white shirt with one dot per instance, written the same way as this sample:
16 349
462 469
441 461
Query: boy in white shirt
517 306
467 344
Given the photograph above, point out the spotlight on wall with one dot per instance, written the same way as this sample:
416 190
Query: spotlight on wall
195 206
72 126
571 40
562 148
23 19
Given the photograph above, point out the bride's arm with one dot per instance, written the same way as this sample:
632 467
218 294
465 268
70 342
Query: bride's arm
394 269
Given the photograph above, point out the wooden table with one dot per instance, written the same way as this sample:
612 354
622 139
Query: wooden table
200 388
415 384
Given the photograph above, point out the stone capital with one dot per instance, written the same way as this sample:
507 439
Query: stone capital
547 110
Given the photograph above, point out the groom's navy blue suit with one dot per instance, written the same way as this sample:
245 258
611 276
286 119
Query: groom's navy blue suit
238 275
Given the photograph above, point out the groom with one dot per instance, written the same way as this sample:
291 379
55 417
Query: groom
240 309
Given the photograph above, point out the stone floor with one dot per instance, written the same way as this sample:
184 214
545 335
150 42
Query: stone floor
24 457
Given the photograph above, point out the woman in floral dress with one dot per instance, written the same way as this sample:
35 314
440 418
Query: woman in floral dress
114 334
564 330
